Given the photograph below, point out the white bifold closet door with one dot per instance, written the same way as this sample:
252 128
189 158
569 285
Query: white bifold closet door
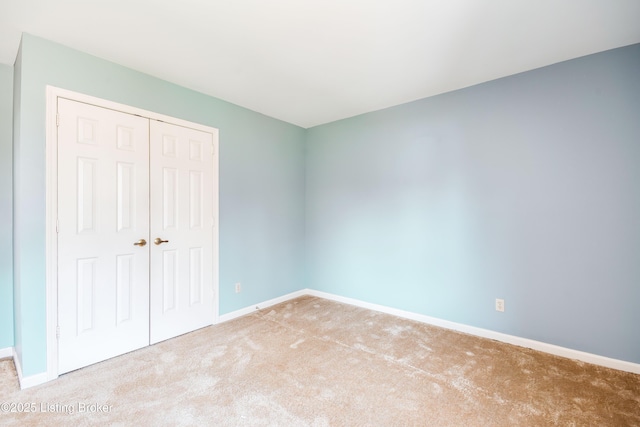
182 207
135 236
103 208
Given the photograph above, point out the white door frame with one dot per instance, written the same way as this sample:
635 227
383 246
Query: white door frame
51 243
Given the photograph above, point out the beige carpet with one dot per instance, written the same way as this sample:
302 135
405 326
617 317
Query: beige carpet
313 362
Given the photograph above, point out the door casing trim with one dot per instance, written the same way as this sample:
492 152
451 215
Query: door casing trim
51 191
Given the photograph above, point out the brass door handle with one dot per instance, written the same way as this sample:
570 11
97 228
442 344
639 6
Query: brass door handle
159 241
140 243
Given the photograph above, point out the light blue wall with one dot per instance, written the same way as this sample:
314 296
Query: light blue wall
525 188
261 182
6 207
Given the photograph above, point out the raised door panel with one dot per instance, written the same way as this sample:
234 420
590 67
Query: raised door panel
182 293
103 208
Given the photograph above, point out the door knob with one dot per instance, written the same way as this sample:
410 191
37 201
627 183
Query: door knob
159 241
140 243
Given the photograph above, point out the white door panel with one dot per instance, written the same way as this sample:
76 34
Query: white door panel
182 294
103 208
123 178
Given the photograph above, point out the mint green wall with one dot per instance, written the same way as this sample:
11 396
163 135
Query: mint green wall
261 182
6 207
525 188
17 311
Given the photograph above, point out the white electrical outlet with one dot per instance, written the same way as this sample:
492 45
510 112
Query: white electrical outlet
499 304
238 288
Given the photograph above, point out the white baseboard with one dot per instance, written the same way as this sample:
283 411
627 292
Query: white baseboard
250 309
486 333
6 352
30 381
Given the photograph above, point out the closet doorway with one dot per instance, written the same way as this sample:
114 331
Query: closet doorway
136 230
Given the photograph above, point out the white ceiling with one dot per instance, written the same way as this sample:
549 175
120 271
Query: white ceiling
310 62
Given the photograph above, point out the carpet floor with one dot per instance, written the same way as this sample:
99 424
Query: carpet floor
313 362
